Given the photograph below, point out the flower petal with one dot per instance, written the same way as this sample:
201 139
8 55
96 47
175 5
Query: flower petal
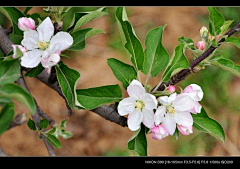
148 118
30 39
50 61
183 102
194 91
31 59
134 120
136 90
45 30
183 118
197 108
61 41
169 124
159 115
165 100
126 106
150 101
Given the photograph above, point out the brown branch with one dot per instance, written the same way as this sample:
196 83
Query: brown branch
19 120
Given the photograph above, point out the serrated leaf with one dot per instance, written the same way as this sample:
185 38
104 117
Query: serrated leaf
177 63
234 41
32 125
9 71
54 141
43 124
129 39
156 56
226 26
138 142
34 71
17 93
67 79
203 123
123 72
79 37
187 42
94 97
6 116
13 14
227 65
216 21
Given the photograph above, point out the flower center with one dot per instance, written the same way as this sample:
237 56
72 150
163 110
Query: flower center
43 45
139 105
170 109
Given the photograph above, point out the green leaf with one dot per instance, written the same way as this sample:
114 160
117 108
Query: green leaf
203 123
19 94
9 71
34 71
27 9
51 131
53 141
123 72
32 125
80 19
227 65
17 55
67 134
156 56
177 63
43 123
187 42
6 116
67 79
13 14
129 39
234 41
138 142
63 123
4 100
226 26
216 21
94 97
79 37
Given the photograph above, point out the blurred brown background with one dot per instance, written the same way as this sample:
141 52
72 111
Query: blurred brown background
93 135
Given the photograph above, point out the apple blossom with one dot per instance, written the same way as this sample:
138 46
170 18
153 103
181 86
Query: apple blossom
23 49
159 132
185 130
196 93
175 110
26 24
138 106
203 32
43 46
201 45
170 89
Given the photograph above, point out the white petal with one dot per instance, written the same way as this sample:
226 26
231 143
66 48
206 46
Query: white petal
183 118
30 39
150 101
126 106
148 118
169 123
165 100
134 120
31 59
194 91
183 102
50 61
136 90
197 108
61 41
45 30
159 115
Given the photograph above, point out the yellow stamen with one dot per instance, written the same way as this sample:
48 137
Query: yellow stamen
43 45
139 105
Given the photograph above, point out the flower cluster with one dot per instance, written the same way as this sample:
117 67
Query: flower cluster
163 114
41 45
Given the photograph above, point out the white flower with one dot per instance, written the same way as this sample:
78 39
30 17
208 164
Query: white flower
185 130
196 93
139 106
26 24
41 44
175 109
159 132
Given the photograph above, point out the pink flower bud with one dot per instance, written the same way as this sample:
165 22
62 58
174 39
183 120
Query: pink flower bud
217 37
201 45
203 32
159 132
171 89
26 24
185 130
23 49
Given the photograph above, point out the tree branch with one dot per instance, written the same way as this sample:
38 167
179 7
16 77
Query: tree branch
19 120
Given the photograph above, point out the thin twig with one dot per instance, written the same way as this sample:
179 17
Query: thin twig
19 120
